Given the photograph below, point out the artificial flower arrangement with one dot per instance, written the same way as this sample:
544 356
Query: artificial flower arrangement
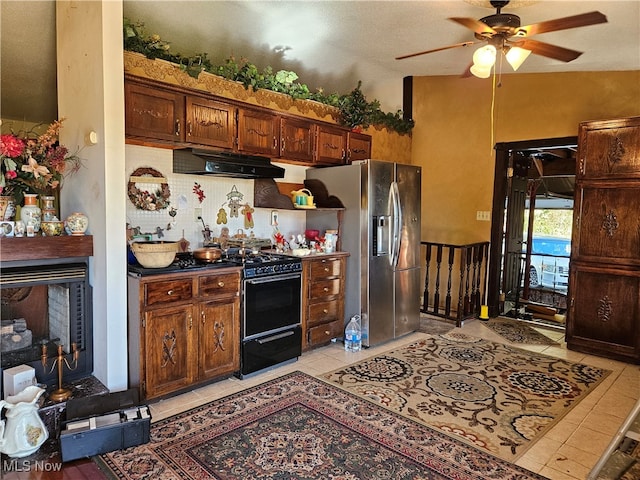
32 163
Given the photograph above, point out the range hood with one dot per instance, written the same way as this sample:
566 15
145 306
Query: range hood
209 162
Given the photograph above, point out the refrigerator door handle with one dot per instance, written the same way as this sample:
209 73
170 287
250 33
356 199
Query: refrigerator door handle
397 222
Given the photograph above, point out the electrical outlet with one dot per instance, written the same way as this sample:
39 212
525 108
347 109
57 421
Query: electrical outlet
197 214
274 218
483 215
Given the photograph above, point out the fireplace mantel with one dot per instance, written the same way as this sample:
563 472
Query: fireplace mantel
35 249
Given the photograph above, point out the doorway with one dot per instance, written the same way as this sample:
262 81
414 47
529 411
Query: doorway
531 228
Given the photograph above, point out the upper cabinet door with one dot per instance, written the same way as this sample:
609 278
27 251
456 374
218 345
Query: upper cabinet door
258 132
210 122
296 139
153 113
331 145
609 149
359 147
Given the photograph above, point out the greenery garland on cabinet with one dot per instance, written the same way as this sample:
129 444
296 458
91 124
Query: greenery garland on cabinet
355 110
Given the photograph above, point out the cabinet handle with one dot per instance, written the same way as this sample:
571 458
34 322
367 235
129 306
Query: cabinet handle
221 284
189 128
344 155
327 332
190 322
326 269
170 292
177 127
326 289
324 310
204 316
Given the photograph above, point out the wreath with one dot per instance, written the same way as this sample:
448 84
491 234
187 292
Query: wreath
145 200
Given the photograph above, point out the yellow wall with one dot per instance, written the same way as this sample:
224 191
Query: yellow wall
453 139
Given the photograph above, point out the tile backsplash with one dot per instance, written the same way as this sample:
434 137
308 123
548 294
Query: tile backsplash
216 190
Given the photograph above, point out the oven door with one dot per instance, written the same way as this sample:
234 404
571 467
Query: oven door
271 303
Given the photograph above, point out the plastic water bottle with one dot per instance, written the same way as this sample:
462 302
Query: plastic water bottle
353 335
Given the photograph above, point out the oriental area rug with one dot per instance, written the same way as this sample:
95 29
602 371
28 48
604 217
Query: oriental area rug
496 397
300 427
518 332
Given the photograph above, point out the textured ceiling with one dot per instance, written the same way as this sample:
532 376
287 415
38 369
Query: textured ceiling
329 44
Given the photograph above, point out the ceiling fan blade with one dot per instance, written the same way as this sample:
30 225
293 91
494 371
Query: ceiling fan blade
582 20
547 50
463 44
473 24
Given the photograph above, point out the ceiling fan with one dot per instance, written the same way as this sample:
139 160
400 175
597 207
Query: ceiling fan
502 32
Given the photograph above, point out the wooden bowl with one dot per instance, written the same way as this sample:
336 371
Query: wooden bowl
157 254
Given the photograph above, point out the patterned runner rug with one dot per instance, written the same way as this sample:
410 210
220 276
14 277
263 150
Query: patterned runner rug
299 427
518 332
496 397
434 325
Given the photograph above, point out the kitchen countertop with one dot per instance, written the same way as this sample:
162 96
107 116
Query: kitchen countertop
311 256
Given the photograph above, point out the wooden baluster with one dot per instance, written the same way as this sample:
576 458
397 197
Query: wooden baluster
467 296
463 262
447 308
425 295
475 279
436 297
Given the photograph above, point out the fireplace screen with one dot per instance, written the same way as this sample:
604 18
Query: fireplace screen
44 306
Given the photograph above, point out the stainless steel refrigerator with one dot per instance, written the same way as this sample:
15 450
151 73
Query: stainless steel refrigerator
381 231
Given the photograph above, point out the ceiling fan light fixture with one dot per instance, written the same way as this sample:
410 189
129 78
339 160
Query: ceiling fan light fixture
485 57
516 57
479 71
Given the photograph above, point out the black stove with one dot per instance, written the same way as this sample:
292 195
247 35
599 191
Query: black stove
262 264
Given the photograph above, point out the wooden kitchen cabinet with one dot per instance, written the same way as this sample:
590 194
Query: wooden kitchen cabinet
157 113
154 113
359 146
331 145
296 139
184 329
209 122
604 281
323 279
258 132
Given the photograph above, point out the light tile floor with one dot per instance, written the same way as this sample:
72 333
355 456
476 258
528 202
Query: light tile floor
567 452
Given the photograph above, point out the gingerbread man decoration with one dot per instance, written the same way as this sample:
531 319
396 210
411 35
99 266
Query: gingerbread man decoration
247 211
222 217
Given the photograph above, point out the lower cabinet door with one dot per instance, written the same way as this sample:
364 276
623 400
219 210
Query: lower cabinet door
218 339
169 341
604 311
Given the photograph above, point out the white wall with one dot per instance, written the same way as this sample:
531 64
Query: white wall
215 189
91 97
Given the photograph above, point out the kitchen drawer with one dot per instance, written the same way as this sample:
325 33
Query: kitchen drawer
325 288
322 312
156 293
327 267
324 333
219 285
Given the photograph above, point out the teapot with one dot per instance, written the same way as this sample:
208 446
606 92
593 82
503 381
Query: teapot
300 197
23 431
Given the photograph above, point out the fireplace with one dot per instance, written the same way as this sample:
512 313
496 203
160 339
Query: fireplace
46 301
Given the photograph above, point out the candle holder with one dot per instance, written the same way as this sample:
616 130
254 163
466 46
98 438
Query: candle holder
61 394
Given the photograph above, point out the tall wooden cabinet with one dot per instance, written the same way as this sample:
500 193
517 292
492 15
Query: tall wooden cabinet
604 283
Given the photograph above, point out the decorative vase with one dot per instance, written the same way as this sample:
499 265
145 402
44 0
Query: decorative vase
76 223
7 208
23 431
31 214
49 211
